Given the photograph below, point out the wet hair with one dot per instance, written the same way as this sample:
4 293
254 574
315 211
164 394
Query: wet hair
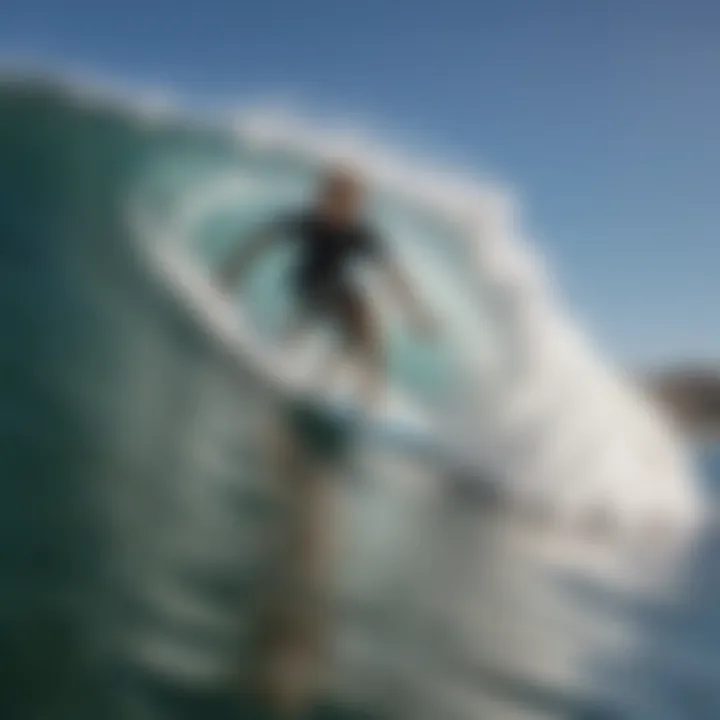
342 178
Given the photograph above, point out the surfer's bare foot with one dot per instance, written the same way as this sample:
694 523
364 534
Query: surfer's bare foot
286 677
293 682
288 681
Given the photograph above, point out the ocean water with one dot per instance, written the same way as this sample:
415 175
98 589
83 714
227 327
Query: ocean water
138 522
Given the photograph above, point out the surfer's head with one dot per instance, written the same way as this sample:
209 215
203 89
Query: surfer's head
341 194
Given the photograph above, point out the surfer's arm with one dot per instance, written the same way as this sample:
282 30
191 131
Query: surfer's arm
233 270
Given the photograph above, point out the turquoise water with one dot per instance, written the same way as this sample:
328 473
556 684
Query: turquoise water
137 522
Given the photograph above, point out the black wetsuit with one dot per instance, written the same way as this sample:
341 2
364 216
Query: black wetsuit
324 288
322 278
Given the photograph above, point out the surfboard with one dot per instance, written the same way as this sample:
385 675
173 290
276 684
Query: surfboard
393 418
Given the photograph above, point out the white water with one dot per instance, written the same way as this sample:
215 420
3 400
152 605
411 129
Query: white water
534 400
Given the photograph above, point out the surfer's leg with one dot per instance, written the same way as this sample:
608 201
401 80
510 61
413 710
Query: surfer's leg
366 346
296 642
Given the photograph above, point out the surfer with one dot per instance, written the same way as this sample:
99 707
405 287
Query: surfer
333 236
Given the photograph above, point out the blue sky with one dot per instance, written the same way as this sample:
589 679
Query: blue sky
603 114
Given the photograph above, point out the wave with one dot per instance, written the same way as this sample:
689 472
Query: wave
531 400
138 516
